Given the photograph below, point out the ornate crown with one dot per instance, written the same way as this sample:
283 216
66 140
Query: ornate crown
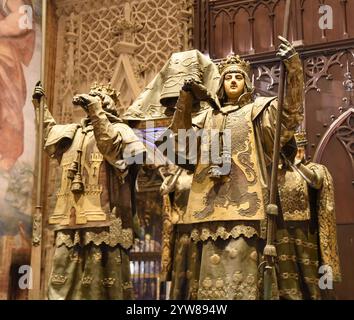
106 89
301 139
236 63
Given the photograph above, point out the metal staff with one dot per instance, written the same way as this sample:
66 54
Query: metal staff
35 292
272 209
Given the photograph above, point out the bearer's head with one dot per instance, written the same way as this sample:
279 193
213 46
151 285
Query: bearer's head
234 85
108 95
301 143
235 80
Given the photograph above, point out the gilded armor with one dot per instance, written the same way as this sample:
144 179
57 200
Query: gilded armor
93 215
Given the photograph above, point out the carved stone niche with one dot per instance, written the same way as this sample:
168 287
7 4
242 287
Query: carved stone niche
122 42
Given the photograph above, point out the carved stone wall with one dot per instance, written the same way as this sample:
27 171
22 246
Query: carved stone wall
249 26
94 34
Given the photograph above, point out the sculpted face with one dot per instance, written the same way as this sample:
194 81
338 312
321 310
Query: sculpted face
300 153
234 84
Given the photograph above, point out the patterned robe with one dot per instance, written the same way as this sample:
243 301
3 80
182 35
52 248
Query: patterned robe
220 238
93 223
306 233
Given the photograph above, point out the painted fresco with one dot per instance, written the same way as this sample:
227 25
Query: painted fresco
20 53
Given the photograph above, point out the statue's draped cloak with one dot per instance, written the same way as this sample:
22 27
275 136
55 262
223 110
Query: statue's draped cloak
94 227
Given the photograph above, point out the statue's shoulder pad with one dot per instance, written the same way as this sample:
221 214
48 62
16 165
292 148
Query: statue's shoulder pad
260 104
127 133
198 119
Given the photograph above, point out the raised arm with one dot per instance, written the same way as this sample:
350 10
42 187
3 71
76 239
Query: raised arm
293 105
49 121
294 98
183 137
115 140
56 137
